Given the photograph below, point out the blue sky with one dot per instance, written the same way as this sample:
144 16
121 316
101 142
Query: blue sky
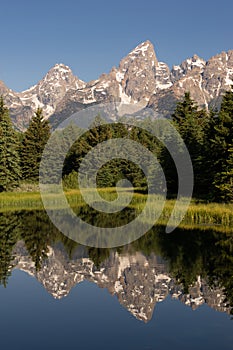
92 36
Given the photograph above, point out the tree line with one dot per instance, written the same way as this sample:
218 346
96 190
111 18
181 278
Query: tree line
208 136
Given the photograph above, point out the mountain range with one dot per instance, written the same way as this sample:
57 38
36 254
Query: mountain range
140 79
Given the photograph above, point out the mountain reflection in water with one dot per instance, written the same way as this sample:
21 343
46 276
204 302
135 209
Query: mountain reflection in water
192 265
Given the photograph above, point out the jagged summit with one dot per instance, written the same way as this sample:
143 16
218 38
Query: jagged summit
139 79
196 58
142 49
61 66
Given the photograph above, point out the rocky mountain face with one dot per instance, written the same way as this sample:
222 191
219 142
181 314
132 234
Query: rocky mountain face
46 94
139 282
140 79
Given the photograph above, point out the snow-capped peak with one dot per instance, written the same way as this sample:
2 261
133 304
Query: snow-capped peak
61 65
187 66
198 61
51 89
141 49
61 68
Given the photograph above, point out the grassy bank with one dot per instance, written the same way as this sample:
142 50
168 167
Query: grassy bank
199 213
23 200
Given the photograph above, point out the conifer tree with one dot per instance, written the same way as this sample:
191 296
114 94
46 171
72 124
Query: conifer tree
9 157
223 181
191 123
34 141
184 109
220 136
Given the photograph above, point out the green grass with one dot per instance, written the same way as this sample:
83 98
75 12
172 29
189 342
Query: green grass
20 201
198 214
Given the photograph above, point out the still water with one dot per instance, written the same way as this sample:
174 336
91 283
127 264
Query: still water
159 292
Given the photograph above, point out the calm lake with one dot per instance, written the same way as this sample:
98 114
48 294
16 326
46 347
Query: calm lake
162 291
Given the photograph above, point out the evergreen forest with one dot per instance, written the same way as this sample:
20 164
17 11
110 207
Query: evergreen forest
208 136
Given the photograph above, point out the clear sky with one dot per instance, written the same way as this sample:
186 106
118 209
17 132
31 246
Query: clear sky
92 36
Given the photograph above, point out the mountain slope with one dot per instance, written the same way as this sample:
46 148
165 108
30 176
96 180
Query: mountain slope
139 79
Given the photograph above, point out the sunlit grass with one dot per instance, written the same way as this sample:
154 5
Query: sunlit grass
202 214
20 200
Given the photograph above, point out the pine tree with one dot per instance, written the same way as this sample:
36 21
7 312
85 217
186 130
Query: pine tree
34 141
9 157
223 181
184 109
220 135
191 123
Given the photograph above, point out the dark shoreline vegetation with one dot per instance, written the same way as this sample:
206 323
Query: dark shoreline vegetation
207 135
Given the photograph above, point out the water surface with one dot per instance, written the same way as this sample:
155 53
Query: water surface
159 292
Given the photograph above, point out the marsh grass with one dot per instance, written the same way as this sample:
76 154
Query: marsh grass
199 213
20 200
